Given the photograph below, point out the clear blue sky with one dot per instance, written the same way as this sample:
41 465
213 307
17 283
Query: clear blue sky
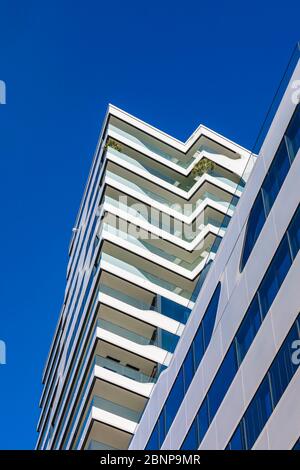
173 64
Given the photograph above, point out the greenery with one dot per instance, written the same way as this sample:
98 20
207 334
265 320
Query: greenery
113 144
203 166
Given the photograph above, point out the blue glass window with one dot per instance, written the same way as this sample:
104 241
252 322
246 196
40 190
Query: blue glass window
158 434
255 224
190 364
275 176
222 381
237 440
198 346
191 440
283 261
203 420
275 276
209 319
294 233
272 184
153 443
283 368
258 412
259 307
205 330
269 392
293 134
174 310
198 429
188 368
167 340
162 427
248 329
175 399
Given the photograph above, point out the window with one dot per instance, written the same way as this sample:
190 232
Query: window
294 234
246 333
222 381
275 176
174 310
189 366
167 341
209 318
158 434
191 440
293 134
203 420
197 429
254 226
198 346
237 440
161 428
175 398
248 329
271 186
258 412
275 275
153 443
268 394
283 368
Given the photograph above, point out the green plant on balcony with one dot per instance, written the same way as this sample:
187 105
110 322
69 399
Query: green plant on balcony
113 144
203 166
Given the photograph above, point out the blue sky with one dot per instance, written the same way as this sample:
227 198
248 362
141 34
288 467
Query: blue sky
173 64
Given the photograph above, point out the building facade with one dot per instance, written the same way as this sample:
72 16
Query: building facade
151 219
234 380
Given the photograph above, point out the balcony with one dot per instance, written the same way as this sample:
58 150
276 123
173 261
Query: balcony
110 406
101 436
170 203
161 338
174 311
110 387
172 253
128 271
142 144
184 183
116 409
125 370
154 218
95 445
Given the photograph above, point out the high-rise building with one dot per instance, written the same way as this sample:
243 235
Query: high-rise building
151 219
234 379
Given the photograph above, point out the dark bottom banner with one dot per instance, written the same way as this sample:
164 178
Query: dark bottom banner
134 459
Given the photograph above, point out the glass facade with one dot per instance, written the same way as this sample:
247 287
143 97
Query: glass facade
186 373
264 297
268 394
272 183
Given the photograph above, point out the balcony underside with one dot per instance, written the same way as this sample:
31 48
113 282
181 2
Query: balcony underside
105 437
165 176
